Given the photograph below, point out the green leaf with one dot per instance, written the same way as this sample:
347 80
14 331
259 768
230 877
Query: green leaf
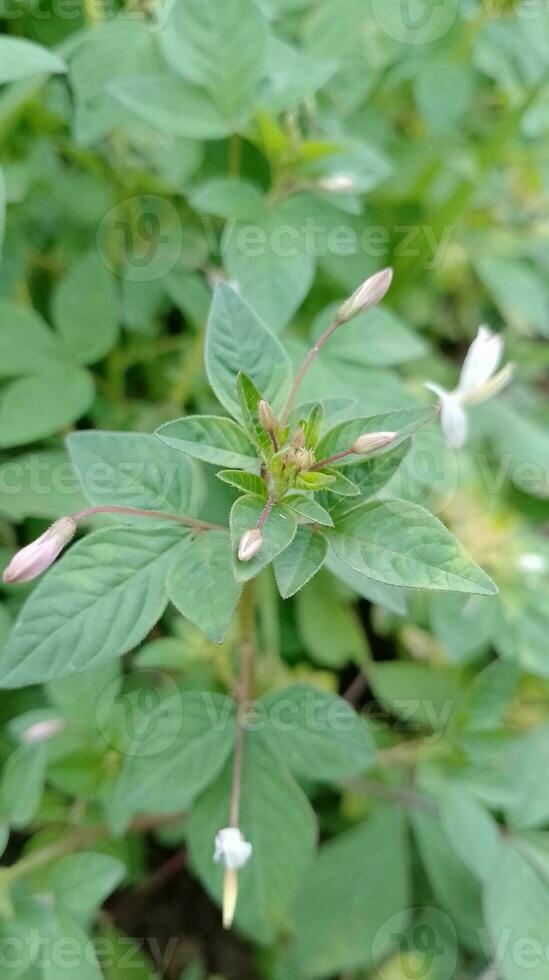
85 309
272 265
178 752
423 696
236 340
34 407
443 91
22 59
27 345
308 507
388 596
22 784
132 469
278 531
456 891
249 398
518 290
98 602
404 422
3 203
329 628
276 817
82 882
202 585
42 484
317 735
516 908
358 885
377 338
220 47
246 482
370 477
227 197
525 762
399 543
339 483
318 481
299 561
121 959
21 933
210 438
60 931
172 105
472 832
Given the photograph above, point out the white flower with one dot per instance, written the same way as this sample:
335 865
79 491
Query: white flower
231 849
477 382
337 183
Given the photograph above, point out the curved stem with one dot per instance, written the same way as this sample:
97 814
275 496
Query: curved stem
309 358
156 514
266 510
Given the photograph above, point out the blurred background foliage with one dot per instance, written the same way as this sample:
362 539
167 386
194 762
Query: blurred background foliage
292 147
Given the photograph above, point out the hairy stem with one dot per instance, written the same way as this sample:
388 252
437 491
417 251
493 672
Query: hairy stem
266 510
156 514
309 358
329 460
247 655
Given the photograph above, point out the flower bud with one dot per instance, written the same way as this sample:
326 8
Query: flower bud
298 441
267 418
32 560
371 441
249 544
369 294
41 731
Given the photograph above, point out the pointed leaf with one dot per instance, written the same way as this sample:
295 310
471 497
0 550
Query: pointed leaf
134 470
202 585
400 543
299 561
308 507
210 438
236 340
97 602
246 482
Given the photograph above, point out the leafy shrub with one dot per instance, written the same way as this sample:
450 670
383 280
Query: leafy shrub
300 638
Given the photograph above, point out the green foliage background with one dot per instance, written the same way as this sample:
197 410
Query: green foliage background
146 154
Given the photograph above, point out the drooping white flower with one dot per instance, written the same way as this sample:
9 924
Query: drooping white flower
231 849
477 382
32 560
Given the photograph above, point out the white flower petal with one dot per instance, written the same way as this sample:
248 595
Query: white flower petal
453 420
231 849
482 359
489 388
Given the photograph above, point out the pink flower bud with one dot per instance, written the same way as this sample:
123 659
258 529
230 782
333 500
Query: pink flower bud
369 294
32 560
371 441
41 731
249 544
